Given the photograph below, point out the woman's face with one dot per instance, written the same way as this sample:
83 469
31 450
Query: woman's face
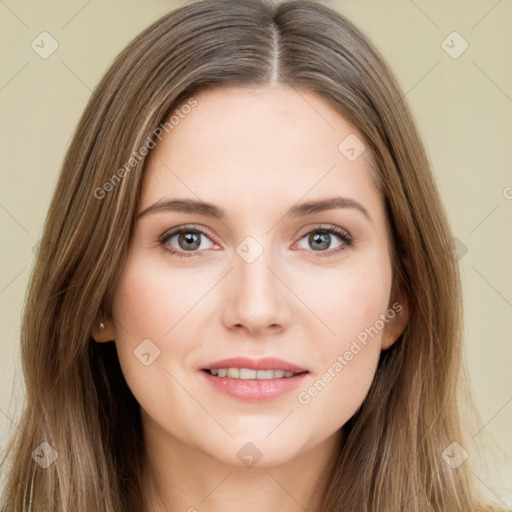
263 280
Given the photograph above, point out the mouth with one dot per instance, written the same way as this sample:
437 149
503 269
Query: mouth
254 380
252 374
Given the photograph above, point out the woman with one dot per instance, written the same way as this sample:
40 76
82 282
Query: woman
245 296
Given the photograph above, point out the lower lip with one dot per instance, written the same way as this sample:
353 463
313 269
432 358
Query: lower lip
255 389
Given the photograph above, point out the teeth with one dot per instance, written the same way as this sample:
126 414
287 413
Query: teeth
234 373
247 373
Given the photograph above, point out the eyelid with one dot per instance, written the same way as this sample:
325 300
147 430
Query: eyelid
325 227
190 227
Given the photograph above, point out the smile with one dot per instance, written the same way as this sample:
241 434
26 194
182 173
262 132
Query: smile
248 373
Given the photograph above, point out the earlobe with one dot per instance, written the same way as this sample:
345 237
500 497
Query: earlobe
387 341
396 326
103 331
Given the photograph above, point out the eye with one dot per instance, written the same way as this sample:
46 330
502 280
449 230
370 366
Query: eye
188 240
320 239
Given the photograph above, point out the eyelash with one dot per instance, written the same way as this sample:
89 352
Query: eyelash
345 237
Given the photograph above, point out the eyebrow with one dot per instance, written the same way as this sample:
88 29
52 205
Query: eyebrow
210 210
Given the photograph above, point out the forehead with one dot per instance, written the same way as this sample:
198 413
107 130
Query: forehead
243 145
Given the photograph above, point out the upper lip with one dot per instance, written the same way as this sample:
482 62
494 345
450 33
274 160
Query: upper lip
266 363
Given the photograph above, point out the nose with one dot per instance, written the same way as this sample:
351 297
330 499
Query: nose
257 300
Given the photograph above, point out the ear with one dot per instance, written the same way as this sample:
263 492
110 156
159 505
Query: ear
103 329
399 303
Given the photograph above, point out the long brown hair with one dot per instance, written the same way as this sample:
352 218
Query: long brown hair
77 400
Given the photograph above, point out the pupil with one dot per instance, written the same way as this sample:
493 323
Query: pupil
190 238
322 238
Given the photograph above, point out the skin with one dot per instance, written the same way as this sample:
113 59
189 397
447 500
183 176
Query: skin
255 153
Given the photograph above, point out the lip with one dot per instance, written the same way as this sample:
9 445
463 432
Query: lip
254 390
266 363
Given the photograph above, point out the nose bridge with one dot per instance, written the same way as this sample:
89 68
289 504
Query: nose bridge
256 295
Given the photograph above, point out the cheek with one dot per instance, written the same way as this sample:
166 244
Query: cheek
148 302
352 304
154 309
151 299
143 312
348 357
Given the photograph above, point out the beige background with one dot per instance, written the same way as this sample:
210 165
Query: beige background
463 107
